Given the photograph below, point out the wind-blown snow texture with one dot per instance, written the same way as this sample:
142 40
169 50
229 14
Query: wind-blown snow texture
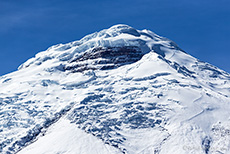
120 90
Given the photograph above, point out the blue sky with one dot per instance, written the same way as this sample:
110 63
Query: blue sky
200 27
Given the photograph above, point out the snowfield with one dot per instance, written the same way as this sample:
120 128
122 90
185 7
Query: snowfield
120 90
65 137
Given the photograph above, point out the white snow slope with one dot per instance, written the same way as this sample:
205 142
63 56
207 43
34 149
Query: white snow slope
120 90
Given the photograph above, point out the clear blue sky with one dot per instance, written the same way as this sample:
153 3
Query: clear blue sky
200 27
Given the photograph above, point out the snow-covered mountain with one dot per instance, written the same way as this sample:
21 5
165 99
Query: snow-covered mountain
120 90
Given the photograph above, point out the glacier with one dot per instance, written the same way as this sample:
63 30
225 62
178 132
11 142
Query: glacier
119 90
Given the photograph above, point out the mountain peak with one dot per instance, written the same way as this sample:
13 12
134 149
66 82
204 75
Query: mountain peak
122 90
116 37
122 28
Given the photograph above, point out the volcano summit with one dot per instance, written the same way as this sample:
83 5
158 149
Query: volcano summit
120 90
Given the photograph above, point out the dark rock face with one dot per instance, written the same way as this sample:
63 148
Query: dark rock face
105 58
